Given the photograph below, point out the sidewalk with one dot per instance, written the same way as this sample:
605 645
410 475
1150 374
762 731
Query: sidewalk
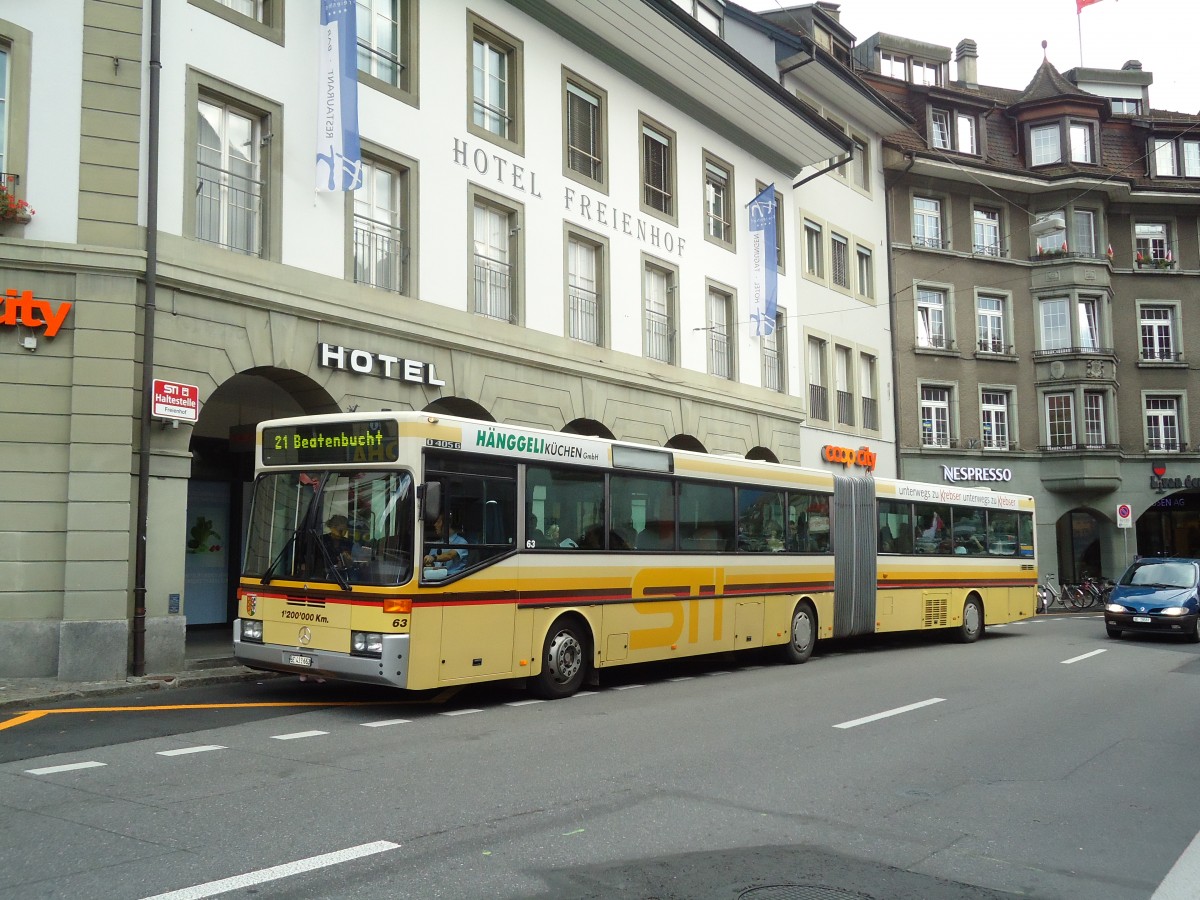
208 660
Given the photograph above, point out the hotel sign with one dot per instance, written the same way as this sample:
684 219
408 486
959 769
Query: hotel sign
383 365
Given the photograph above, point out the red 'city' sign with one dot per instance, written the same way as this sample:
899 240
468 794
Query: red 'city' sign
20 308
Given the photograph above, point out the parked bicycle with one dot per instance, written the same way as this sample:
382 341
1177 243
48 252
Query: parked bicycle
1068 596
1095 590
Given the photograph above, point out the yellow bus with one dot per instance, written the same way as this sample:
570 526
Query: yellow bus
420 551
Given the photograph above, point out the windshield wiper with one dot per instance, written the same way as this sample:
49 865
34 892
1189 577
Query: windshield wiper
270 573
329 561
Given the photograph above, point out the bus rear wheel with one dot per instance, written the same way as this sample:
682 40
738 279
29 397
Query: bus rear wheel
802 636
971 629
564 661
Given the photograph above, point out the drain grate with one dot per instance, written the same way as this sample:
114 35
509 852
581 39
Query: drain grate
800 892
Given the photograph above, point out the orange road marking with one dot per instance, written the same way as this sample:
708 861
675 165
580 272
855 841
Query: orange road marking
22 719
34 714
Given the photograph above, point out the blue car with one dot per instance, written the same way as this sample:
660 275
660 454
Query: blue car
1156 595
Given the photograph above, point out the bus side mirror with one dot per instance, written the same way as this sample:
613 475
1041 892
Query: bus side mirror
432 496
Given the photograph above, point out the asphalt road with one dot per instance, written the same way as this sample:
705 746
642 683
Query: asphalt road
1045 761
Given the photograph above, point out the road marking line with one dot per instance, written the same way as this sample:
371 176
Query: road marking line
53 770
184 751
386 722
627 687
524 702
1180 883
459 712
891 712
22 719
1075 659
297 735
682 678
300 866
582 694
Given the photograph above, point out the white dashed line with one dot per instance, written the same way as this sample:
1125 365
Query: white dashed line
386 722
524 702
1075 659
460 712
213 888
184 751
72 767
297 735
891 712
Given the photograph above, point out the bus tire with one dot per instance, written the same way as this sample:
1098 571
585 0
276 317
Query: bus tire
564 660
802 634
971 628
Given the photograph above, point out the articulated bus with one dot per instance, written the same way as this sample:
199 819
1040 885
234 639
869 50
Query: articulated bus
420 551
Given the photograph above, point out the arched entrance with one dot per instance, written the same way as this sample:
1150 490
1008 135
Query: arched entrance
459 406
1171 527
762 453
587 428
1080 545
222 471
686 442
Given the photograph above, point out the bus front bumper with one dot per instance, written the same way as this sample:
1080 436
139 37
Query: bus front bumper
391 668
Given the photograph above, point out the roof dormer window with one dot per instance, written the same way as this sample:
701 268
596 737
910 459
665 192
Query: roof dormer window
1173 157
1044 145
953 130
906 68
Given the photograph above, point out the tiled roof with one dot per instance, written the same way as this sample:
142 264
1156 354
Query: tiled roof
1123 139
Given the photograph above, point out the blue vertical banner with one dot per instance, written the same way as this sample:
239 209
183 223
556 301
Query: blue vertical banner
764 268
339 157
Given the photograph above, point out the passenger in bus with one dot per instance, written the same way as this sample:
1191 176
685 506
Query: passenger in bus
452 554
533 533
659 533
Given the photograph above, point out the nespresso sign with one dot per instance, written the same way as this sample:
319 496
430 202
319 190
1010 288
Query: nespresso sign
382 365
975 473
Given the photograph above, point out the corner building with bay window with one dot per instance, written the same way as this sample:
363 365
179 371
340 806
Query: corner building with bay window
1044 266
552 231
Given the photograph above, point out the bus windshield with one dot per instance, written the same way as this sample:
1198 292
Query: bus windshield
343 527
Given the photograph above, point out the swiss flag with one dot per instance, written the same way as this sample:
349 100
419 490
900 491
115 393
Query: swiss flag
1080 4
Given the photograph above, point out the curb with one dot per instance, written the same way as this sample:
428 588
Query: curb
41 691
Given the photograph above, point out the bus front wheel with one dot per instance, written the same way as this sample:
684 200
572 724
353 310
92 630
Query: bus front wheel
972 622
564 661
802 636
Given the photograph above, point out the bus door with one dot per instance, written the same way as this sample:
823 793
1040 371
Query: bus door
855 545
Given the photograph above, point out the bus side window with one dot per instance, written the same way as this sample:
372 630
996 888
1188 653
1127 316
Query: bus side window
706 516
895 527
761 521
808 522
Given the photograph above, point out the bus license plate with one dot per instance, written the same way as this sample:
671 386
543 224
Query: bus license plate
298 659
1143 619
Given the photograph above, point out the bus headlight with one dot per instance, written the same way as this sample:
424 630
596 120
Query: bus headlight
366 643
252 630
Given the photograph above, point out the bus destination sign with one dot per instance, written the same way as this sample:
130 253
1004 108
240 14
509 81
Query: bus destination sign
316 443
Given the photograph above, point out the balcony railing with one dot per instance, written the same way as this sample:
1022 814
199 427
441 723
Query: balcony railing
1166 446
383 64
993 250
818 402
1076 351
772 378
870 413
492 288
585 315
379 255
995 346
1060 448
935 243
845 408
933 342
228 207
659 337
718 354
1161 356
